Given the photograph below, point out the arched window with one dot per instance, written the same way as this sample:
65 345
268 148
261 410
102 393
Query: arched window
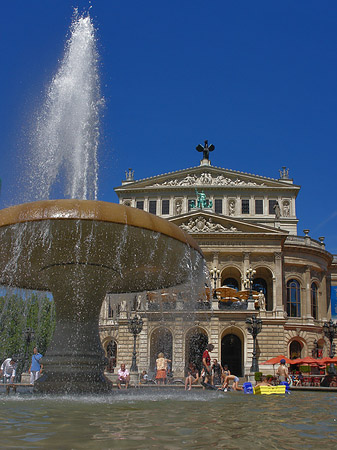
231 282
111 353
259 285
314 304
293 298
295 350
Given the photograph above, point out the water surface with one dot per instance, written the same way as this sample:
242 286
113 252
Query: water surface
161 419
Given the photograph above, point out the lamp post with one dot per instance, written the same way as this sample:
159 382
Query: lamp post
28 335
250 274
135 327
254 328
215 275
330 331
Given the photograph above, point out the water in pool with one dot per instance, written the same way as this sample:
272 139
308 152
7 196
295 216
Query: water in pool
166 419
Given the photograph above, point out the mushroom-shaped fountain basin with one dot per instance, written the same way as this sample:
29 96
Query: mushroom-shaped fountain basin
80 250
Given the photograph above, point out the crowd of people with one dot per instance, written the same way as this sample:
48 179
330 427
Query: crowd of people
8 370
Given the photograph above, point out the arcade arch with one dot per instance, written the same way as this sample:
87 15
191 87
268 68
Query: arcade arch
263 281
231 276
110 347
161 340
232 353
196 341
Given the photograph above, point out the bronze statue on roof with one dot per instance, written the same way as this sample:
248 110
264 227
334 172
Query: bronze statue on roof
205 149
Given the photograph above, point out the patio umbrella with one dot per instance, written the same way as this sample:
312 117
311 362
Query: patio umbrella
307 360
244 295
277 359
328 360
226 292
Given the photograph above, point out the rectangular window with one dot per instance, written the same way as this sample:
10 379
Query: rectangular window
245 206
153 206
165 207
272 203
140 204
258 206
218 205
191 204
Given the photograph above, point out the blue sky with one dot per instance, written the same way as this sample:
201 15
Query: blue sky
257 79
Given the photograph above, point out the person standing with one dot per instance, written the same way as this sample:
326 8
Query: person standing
282 371
35 368
217 371
161 366
7 370
206 362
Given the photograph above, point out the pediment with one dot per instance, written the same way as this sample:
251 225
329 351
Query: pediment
205 177
201 221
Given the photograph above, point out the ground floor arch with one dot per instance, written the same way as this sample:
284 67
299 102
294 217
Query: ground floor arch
110 347
232 353
295 349
161 341
195 344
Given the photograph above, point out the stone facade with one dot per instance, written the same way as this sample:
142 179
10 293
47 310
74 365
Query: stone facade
248 221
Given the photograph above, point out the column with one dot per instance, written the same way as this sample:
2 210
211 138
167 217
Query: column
306 300
178 351
246 264
278 300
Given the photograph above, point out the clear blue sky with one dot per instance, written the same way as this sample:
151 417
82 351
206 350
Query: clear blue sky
258 79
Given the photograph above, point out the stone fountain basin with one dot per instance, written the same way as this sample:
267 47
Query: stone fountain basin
131 249
80 250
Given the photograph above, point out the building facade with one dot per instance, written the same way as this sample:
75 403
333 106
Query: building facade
240 221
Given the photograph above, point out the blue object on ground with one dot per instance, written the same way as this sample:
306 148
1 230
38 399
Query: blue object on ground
248 388
287 386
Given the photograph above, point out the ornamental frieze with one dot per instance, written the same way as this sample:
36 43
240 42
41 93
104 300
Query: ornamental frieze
202 225
206 178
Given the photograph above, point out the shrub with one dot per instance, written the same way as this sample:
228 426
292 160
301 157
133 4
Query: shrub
258 376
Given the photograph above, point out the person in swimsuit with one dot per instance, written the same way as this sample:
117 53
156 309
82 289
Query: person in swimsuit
235 385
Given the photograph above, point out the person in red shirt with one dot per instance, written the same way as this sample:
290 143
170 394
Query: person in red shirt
206 362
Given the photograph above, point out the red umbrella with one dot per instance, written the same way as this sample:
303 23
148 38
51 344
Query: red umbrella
328 360
277 359
307 360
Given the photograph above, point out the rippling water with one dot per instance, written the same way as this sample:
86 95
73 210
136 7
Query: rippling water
170 420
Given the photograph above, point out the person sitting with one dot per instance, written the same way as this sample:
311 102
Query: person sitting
144 378
192 376
123 377
216 372
327 380
7 371
263 382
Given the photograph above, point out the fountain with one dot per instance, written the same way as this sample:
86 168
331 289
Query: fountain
81 249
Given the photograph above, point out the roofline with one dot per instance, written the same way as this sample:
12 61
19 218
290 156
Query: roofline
207 167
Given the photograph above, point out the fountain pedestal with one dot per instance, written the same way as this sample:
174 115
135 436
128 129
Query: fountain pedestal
75 359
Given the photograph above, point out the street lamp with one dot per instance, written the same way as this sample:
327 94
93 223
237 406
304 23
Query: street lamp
135 327
254 328
330 331
28 336
215 275
250 274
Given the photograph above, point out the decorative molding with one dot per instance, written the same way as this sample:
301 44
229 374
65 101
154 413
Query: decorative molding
202 225
206 179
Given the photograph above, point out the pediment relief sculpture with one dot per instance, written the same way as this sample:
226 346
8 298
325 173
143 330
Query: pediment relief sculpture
207 178
203 225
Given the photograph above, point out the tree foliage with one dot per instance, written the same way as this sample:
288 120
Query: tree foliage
19 312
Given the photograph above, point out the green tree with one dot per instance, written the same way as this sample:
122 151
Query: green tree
17 313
